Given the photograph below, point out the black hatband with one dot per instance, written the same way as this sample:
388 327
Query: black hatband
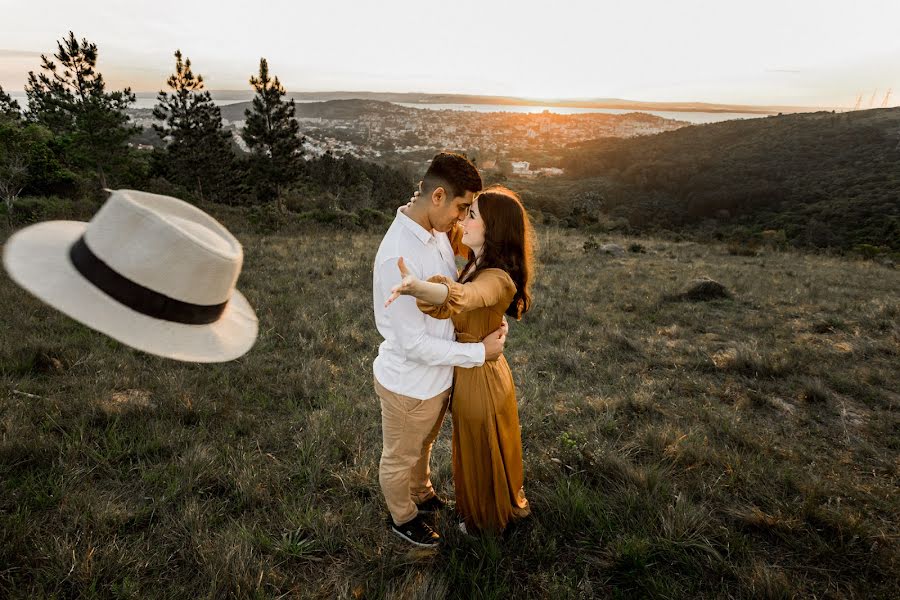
137 297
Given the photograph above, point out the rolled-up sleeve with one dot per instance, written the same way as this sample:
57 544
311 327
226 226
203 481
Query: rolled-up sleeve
408 326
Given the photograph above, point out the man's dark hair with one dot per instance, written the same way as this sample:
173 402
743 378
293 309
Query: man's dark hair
453 172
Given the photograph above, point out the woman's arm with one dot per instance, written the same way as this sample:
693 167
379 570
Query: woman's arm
492 288
410 285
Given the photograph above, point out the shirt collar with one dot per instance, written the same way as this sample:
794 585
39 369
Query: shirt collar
420 232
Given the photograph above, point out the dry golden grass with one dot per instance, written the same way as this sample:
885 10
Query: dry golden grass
743 447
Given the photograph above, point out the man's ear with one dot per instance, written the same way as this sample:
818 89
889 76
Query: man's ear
438 196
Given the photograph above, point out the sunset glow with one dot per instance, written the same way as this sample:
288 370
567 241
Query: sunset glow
808 53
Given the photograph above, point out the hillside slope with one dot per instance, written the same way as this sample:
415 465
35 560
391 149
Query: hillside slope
826 179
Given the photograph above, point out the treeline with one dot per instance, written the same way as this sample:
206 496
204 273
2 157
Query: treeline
73 138
820 180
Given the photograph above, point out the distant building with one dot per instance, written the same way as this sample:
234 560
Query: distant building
521 167
242 144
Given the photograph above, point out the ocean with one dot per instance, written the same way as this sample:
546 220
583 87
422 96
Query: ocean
148 101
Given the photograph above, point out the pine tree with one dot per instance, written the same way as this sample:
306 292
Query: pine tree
71 100
273 136
198 152
9 108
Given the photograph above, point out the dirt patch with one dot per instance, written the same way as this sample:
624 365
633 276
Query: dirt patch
125 400
724 359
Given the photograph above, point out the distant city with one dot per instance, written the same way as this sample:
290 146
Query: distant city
525 144
516 136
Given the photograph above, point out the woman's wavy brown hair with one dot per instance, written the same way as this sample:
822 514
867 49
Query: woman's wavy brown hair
508 243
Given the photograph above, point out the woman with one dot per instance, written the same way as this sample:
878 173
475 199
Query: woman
487 446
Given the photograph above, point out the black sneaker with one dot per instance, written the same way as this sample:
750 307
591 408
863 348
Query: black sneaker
432 505
417 532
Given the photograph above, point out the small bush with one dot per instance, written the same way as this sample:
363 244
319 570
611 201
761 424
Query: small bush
813 391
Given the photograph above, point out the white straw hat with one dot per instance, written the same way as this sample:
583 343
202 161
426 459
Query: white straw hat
150 271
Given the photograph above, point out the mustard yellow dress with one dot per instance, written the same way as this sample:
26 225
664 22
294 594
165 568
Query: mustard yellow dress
487 445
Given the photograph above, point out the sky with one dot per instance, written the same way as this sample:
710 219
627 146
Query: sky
774 52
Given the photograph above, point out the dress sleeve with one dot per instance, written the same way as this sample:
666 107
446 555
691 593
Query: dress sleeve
492 287
455 235
407 329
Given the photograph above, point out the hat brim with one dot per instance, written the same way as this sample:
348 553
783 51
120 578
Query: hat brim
37 258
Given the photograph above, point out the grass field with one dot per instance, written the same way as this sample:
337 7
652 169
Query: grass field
743 447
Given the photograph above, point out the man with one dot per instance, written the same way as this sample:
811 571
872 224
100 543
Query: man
414 368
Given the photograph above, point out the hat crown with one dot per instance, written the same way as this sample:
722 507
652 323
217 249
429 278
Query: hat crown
166 245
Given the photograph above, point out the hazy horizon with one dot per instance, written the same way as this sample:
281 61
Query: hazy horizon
806 54
247 94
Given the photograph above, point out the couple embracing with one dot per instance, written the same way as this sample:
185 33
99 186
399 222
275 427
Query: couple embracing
444 332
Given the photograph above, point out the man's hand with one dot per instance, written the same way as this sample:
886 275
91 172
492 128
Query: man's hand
494 342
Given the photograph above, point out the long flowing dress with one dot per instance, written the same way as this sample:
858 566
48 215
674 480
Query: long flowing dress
487 444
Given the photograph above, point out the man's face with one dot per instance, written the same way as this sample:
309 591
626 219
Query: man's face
447 213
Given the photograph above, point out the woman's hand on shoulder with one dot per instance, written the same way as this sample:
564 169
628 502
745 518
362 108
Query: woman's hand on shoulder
407 286
412 200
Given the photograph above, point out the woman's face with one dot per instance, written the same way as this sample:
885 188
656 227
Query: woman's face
473 228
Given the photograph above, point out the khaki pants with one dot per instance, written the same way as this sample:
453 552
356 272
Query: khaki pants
409 428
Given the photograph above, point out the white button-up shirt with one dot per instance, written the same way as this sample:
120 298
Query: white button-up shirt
419 352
